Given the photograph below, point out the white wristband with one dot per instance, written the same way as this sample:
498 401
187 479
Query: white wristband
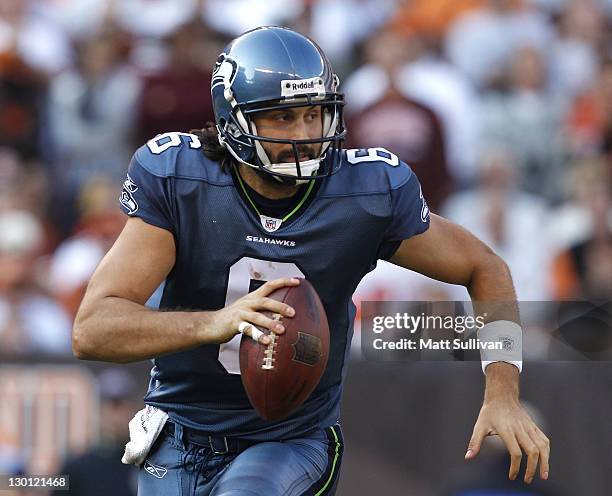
509 335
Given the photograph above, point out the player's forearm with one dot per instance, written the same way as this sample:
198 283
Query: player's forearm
492 291
491 279
118 330
494 298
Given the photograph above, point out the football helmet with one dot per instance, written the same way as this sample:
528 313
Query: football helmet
272 68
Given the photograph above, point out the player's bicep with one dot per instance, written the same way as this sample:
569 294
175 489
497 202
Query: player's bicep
446 252
139 261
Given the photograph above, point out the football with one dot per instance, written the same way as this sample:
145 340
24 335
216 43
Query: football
279 377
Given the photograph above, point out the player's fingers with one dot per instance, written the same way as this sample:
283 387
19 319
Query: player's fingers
532 452
515 452
260 320
278 307
543 444
478 435
251 331
271 286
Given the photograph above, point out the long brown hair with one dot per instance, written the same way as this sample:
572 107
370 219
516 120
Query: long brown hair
211 146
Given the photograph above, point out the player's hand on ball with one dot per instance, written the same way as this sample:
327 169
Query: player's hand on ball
507 419
235 318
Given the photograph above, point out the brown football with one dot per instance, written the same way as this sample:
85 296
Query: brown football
280 376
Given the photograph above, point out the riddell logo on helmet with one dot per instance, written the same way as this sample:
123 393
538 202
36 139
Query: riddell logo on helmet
304 85
294 87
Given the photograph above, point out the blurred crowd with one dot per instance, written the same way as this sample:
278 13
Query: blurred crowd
502 107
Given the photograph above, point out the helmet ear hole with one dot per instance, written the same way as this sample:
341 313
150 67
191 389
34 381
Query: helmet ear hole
233 130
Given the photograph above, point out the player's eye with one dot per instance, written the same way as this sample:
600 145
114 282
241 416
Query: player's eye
283 117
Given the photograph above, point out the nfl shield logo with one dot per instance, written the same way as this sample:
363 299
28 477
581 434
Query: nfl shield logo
270 224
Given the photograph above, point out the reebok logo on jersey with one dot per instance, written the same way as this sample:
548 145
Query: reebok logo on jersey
268 241
127 198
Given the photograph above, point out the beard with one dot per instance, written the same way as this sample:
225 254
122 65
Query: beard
305 152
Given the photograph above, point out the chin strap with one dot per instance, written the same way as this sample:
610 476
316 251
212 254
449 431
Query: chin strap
307 168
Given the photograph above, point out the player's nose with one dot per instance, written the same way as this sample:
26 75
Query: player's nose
301 129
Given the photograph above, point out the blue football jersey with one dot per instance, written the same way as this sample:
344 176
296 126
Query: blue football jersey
224 250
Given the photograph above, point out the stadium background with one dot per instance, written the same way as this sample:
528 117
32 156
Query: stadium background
502 107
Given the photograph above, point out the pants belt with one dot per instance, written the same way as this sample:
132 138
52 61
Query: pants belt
219 445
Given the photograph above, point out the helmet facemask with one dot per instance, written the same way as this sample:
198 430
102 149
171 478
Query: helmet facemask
241 132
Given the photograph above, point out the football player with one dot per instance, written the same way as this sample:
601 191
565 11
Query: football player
223 217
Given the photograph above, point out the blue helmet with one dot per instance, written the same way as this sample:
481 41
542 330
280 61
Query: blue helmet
271 68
